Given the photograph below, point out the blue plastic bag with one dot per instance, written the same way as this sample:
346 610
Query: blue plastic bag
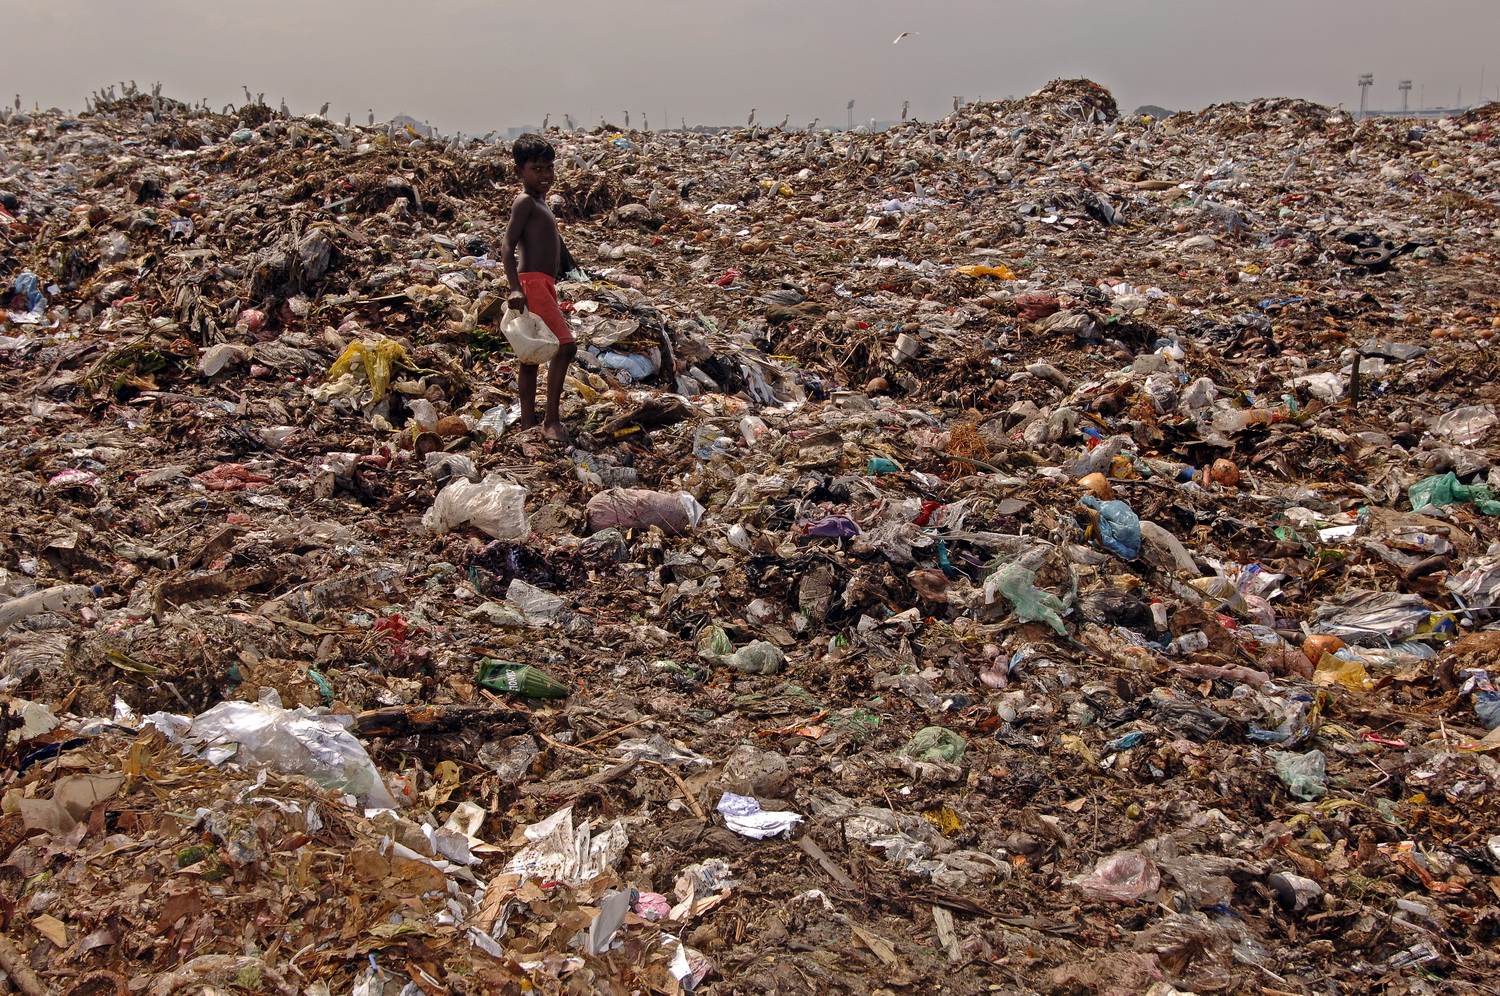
1119 527
28 284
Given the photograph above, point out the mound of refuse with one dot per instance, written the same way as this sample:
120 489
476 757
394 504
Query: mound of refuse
1036 551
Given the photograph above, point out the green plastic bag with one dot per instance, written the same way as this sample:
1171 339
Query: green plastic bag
1305 775
714 644
934 743
1445 489
1031 604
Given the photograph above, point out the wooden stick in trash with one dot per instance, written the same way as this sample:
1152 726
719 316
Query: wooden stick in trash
403 721
20 973
686 792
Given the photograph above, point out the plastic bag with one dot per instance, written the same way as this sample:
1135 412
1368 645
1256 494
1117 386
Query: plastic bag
494 506
1122 878
1031 604
760 657
1445 489
636 508
1119 527
529 337
1305 775
376 360
293 741
935 743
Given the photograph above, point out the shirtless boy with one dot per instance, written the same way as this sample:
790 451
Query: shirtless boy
533 231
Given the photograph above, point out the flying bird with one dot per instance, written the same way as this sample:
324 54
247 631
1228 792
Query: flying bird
904 34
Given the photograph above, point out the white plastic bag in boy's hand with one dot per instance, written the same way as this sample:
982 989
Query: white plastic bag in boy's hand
529 336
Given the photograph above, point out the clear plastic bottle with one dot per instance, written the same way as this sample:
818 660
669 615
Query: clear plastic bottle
752 427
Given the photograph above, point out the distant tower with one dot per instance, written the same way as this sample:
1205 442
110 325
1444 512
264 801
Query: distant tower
1365 82
1405 88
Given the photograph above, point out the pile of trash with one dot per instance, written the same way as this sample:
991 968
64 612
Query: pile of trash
1038 551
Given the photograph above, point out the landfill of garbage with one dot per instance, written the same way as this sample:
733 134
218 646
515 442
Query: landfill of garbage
1043 550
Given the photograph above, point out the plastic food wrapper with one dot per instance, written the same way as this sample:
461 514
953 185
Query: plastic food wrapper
688 966
1372 617
560 853
743 815
494 506
1123 877
293 741
538 606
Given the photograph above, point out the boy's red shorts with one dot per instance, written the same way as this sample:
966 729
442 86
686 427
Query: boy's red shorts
541 299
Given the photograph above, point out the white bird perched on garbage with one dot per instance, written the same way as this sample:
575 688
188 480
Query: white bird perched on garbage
904 34
18 101
248 99
782 126
372 117
748 123
323 111
813 124
904 105
284 111
348 119
627 119
545 118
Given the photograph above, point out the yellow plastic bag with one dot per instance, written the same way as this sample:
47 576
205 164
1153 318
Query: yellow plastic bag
376 359
1001 272
1337 671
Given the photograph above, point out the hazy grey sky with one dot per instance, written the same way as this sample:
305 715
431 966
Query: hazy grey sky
474 65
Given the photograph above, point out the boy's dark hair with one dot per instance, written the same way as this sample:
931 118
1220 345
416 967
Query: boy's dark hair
531 148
